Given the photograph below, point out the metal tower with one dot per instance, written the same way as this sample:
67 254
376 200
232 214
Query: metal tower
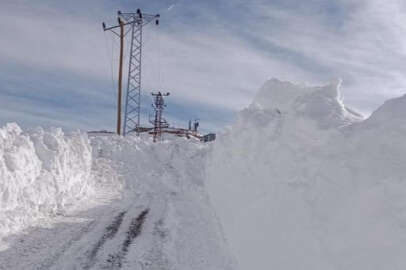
159 122
136 21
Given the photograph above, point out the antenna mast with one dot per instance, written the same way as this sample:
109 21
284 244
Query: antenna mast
159 122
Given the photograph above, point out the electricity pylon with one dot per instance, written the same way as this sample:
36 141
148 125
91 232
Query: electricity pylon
136 21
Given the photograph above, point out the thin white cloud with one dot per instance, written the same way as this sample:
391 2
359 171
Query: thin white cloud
50 39
171 7
367 47
221 64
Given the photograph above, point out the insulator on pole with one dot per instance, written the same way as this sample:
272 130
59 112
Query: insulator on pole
156 22
119 12
104 26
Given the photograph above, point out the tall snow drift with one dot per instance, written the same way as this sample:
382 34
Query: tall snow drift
300 182
41 173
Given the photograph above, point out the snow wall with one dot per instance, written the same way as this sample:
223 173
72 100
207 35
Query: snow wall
302 182
41 174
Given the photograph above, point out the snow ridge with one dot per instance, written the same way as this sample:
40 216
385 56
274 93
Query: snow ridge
299 182
323 104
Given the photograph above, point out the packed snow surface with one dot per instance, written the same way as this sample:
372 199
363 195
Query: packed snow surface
301 182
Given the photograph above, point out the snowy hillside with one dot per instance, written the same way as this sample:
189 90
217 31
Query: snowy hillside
300 182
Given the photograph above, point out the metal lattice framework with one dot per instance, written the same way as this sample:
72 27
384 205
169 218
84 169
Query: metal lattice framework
136 21
159 122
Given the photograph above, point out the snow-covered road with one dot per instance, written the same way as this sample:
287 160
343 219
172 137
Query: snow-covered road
45 246
148 210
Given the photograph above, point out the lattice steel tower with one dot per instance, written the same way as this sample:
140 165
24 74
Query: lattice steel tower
136 21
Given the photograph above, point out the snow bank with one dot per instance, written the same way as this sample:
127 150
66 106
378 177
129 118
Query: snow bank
181 230
299 182
41 173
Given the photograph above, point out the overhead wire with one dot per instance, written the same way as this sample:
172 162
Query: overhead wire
159 56
110 55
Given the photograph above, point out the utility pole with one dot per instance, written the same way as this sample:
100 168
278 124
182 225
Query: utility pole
120 69
120 76
136 21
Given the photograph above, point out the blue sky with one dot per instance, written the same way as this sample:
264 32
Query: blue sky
58 68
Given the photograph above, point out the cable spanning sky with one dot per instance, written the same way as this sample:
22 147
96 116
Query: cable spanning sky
58 68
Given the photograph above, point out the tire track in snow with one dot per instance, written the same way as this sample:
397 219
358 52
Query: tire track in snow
109 233
115 261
